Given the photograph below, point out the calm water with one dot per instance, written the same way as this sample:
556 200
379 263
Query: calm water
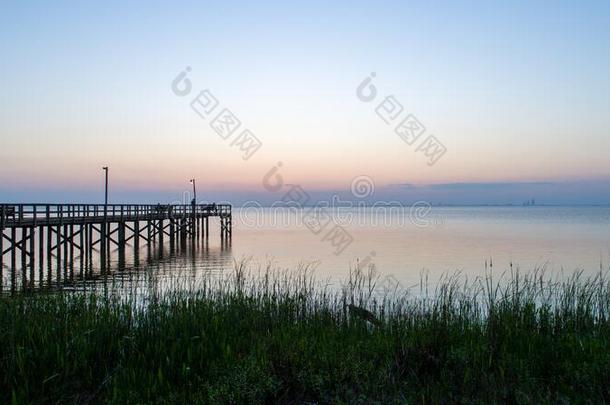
444 240
400 243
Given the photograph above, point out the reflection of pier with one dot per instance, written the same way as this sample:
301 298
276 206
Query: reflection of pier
63 236
154 266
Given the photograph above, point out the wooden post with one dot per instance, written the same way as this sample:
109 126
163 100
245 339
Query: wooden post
13 257
171 234
183 229
90 248
23 245
136 235
66 251
121 231
59 242
1 253
32 254
87 248
41 254
161 232
49 245
82 249
193 226
58 251
103 246
71 226
109 240
121 228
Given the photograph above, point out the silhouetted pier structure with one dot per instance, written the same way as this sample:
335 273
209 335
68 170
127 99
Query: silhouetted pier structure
40 235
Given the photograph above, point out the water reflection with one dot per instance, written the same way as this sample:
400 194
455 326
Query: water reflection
126 268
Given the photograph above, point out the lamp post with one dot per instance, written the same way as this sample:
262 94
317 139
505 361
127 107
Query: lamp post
104 241
194 201
194 209
105 169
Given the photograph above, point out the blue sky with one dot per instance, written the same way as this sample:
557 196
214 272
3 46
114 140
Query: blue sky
517 93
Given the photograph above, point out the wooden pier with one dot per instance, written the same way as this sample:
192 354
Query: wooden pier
47 236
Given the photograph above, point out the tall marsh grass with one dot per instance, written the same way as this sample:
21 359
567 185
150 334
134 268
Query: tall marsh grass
283 337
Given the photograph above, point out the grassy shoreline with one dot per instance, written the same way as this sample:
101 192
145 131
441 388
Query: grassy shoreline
284 338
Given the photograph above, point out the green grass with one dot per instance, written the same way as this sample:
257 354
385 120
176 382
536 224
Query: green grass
283 338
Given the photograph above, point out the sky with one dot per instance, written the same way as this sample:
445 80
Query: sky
517 95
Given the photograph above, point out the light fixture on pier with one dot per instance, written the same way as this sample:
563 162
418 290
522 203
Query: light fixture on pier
194 201
105 169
